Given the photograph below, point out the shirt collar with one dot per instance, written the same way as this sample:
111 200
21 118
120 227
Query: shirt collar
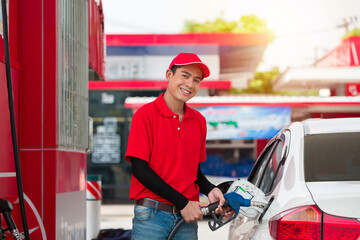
165 110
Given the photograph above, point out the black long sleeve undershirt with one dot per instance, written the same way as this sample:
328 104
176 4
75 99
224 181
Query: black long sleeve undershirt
151 180
203 183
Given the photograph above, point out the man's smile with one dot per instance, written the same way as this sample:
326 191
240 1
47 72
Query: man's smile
185 91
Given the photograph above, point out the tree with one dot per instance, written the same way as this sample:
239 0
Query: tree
246 24
261 84
354 32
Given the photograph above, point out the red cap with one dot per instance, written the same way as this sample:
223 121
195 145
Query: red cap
190 58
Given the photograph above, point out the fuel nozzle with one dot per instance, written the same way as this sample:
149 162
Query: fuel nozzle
244 198
6 208
234 201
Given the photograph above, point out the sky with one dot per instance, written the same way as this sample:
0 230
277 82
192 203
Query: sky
305 30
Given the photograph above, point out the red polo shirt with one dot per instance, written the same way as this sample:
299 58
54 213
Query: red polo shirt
173 150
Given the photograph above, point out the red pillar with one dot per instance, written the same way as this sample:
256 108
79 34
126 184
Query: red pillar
54 178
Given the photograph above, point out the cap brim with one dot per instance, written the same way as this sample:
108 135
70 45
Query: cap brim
203 66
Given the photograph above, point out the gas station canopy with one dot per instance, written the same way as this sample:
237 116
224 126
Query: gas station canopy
316 77
256 100
338 68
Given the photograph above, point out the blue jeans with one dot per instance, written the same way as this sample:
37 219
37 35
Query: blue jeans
154 224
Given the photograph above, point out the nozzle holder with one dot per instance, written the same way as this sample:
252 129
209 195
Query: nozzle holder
5 206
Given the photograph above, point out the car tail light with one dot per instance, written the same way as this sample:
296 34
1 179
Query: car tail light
309 222
341 228
297 223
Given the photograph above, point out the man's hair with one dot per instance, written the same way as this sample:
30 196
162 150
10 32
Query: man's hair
174 68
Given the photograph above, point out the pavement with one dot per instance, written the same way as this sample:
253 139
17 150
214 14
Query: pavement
120 216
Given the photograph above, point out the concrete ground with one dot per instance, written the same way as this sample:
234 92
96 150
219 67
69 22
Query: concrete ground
120 216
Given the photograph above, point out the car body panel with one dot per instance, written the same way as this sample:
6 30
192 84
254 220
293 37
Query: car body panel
337 198
334 125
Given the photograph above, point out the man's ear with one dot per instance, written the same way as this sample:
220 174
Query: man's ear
168 74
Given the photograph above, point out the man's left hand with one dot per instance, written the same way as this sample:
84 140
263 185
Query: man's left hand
216 195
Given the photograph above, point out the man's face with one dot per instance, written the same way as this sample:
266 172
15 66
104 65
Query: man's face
185 83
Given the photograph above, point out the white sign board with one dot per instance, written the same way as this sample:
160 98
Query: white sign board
106 143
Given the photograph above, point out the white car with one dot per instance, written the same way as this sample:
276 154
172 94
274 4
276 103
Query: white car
310 176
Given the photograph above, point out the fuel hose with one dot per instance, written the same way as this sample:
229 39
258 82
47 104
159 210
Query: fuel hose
12 119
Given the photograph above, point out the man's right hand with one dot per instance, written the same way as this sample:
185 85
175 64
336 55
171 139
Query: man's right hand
191 212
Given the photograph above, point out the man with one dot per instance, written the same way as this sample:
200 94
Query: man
165 147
